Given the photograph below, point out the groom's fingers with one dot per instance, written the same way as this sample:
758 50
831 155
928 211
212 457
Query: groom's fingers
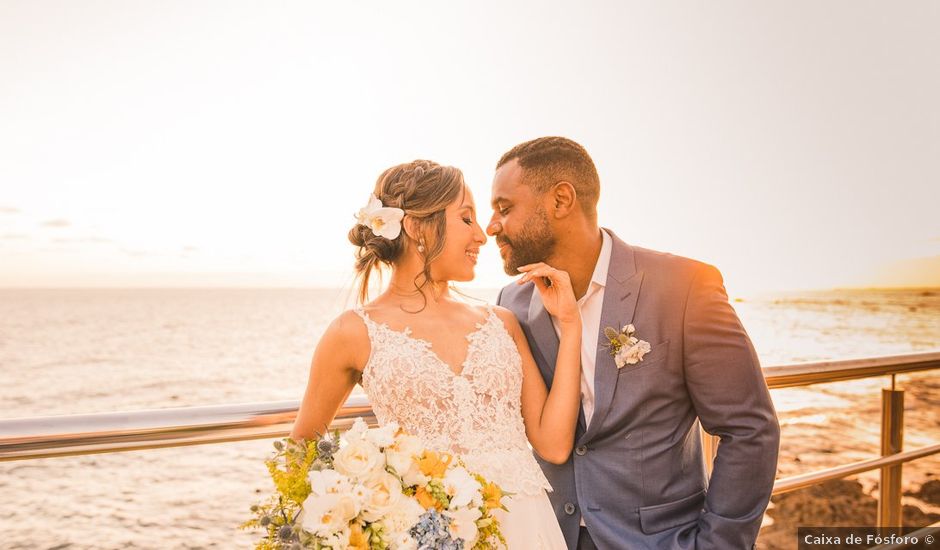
541 274
528 272
530 267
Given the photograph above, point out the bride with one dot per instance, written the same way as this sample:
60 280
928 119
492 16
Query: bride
460 377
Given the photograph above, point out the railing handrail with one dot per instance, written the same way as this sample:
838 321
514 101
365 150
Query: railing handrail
68 435
805 374
794 483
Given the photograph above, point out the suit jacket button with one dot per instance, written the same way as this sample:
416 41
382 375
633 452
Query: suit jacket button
569 508
581 451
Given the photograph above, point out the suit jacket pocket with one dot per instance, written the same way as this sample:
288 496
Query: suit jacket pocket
660 517
654 356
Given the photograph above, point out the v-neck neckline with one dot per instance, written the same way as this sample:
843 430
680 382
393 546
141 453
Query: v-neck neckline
429 347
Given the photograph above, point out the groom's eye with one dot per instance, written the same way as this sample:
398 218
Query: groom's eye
503 211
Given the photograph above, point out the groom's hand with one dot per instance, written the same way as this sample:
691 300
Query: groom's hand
554 286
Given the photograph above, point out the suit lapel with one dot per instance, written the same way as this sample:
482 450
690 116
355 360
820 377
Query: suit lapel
546 345
620 299
543 334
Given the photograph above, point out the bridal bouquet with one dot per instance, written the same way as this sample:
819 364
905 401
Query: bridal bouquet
377 489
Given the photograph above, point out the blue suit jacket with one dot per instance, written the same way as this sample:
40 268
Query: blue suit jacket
637 474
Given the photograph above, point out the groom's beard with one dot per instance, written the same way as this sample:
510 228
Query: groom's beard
534 243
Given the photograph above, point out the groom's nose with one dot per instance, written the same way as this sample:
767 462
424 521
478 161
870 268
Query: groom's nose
494 227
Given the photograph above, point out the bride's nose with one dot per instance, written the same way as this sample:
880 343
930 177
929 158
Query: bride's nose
478 234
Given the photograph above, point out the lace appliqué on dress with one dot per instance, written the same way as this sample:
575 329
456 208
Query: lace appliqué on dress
476 413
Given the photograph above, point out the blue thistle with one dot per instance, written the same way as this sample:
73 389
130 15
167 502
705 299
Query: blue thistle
326 448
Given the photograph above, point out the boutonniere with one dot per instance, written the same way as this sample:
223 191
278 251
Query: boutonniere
625 347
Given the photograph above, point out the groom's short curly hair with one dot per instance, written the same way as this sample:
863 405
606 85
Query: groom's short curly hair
547 160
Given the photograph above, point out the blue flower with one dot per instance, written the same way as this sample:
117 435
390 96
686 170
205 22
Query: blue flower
432 533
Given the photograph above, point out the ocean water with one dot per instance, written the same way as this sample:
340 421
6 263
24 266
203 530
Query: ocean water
83 351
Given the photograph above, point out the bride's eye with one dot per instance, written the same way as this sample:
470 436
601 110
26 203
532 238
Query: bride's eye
468 221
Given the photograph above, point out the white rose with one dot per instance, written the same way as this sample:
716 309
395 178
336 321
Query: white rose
464 523
461 487
385 493
327 481
360 460
357 431
361 494
403 517
384 436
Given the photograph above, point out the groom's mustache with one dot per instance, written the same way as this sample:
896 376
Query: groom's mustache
500 241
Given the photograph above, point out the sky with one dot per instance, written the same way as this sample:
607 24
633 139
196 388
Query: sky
794 145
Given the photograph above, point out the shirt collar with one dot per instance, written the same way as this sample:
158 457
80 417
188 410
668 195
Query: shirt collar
603 261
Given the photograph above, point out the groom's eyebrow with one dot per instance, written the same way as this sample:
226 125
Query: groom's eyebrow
496 200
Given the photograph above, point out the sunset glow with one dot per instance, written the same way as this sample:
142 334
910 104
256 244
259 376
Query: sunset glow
222 144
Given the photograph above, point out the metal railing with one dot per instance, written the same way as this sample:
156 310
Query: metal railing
892 423
56 436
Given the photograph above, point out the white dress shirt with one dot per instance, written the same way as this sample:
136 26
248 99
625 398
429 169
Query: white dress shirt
590 306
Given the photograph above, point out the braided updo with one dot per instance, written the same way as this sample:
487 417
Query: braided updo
423 189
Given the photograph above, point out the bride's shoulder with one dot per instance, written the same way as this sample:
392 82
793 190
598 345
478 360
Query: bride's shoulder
348 327
344 344
507 317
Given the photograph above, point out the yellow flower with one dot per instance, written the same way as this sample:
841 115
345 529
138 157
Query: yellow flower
427 500
492 494
433 464
357 539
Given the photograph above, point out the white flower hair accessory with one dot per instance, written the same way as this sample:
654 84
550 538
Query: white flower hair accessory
384 221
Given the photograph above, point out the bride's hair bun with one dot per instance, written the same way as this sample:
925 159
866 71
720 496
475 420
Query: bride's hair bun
373 248
423 189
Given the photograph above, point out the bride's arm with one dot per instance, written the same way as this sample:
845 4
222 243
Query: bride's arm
337 363
550 417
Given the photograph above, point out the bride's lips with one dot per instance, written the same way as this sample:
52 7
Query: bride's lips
473 254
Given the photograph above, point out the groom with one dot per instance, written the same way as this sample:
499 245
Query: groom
637 476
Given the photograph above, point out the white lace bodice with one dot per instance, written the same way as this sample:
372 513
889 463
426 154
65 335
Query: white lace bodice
476 414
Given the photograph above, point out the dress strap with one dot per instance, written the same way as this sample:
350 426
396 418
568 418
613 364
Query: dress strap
370 324
490 309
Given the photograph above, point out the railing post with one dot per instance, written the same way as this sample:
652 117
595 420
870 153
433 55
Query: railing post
892 441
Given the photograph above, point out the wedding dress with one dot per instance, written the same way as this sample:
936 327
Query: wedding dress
476 414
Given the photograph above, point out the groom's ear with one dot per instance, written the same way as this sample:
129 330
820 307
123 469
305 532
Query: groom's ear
564 199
